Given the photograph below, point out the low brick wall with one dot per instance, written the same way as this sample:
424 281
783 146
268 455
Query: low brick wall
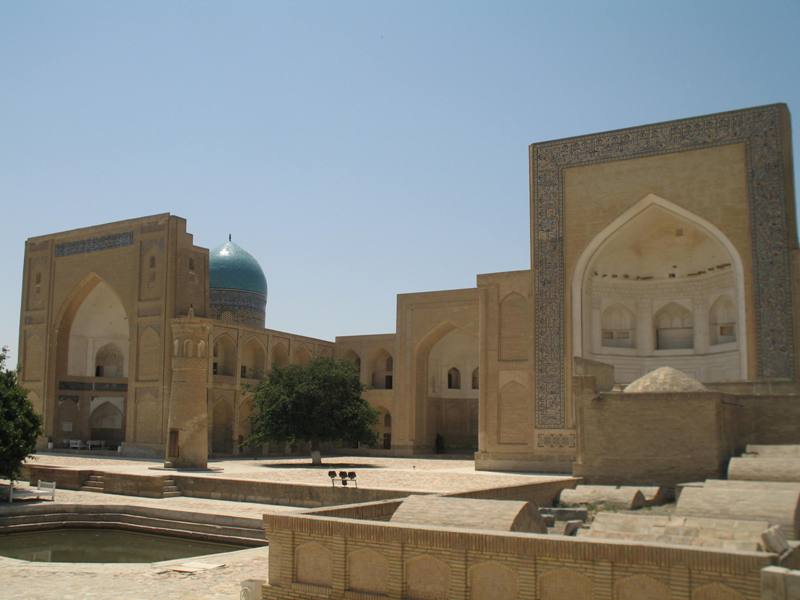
655 438
134 485
149 486
66 479
314 556
288 494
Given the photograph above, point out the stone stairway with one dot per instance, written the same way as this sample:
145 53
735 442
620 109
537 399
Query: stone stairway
94 483
170 490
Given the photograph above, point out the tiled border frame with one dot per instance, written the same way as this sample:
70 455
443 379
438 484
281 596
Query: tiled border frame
761 130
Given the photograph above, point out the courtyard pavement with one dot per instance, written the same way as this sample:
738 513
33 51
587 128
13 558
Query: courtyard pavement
71 581
417 474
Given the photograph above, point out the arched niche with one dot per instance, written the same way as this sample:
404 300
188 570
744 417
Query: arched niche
97 328
476 379
632 280
109 361
427 577
722 321
492 581
253 359
106 419
302 356
279 354
314 564
367 571
382 370
383 428
224 356
452 358
560 584
453 378
352 356
674 327
618 327
641 586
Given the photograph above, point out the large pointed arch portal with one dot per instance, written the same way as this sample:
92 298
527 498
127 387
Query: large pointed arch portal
643 292
755 143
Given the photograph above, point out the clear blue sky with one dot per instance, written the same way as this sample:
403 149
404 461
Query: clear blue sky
357 149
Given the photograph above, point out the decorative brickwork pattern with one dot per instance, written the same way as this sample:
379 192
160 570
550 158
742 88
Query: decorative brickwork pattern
761 130
95 244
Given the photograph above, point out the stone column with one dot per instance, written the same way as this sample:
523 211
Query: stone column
187 431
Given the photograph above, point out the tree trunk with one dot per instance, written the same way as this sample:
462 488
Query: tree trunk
316 457
10 491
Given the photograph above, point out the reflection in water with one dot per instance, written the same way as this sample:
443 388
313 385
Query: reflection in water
103 546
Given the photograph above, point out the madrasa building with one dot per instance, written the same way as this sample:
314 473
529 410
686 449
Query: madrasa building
664 245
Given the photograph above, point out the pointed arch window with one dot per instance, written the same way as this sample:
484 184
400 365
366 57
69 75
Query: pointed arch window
618 327
722 321
454 379
674 328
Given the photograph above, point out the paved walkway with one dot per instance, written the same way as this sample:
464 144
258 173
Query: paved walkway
252 510
423 474
63 581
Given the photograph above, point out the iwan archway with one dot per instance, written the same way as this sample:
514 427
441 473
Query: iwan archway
92 364
661 286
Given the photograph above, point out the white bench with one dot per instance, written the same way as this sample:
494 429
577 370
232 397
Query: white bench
46 488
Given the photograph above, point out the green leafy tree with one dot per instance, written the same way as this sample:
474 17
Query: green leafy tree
19 424
315 403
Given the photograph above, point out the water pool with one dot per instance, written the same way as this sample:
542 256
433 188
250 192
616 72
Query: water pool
104 546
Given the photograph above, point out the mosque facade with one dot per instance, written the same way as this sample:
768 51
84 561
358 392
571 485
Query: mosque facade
665 245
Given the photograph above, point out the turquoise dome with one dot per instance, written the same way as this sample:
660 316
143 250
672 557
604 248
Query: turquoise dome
231 267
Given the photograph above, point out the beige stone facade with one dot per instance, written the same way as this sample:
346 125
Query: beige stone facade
101 308
671 244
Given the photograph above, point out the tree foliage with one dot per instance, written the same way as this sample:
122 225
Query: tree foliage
317 402
19 423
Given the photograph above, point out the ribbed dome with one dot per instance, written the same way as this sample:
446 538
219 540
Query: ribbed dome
665 379
231 267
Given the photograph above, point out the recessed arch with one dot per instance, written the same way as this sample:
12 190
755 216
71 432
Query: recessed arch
224 356
302 356
674 327
722 321
109 361
437 409
692 225
93 316
453 378
618 327
253 360
382 370
352 356
279 354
